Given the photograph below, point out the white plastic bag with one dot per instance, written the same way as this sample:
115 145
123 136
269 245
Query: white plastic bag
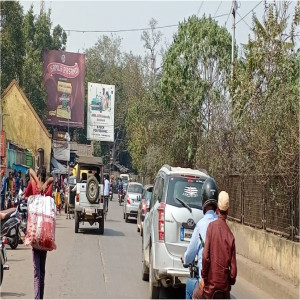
41 223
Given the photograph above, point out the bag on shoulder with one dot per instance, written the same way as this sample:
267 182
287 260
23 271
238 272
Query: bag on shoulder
41 223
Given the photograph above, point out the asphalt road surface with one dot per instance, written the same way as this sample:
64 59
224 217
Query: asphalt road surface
87 265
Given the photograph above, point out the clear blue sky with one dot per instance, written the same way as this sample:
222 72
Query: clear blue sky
116 15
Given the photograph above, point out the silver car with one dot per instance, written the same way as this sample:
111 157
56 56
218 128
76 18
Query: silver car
132 200
175 209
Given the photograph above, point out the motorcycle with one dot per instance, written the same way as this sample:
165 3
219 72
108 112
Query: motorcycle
3 258
10 223
121 196
110 195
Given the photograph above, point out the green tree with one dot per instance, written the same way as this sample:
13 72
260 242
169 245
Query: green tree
37 32
12 42
195 73
265 101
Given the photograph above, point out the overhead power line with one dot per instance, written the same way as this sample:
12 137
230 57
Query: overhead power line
218 8
200 7
243 20
248 13
129 30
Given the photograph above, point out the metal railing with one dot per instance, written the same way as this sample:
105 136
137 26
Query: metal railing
267 204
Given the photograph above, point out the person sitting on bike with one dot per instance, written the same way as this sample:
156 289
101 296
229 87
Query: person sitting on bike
120 186
196 245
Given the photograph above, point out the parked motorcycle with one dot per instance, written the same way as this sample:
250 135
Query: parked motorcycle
3 258
10 223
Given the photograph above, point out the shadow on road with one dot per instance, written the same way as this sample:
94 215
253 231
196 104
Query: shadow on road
95 231
17 295
111 232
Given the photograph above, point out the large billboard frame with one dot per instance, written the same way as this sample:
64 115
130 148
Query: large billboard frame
100 112
64 79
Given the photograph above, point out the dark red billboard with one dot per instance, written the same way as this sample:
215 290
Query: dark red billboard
64 74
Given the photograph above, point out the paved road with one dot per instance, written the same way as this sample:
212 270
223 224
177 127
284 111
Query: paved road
87 265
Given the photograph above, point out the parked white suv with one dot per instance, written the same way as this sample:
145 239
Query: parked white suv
175 209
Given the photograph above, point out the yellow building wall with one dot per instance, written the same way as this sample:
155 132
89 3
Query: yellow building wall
22 125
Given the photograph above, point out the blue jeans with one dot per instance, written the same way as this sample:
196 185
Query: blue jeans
191 284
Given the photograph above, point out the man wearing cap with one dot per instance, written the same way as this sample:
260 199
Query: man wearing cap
219 269
3 189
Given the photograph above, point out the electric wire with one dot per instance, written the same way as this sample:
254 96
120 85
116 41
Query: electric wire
200 7
248 13
218 8
244 20
128 30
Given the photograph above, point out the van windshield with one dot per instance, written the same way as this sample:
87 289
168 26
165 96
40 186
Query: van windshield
185 189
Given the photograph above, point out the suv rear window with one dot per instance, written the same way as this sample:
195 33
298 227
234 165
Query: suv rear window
135 188
186 189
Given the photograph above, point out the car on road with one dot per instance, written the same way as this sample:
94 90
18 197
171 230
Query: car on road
175 209
89 204
132 200
143 207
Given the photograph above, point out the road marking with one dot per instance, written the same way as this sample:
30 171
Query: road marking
105 277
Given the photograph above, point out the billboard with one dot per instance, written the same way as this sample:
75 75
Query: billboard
64 74
100 112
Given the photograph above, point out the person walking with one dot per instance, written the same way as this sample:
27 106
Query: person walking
106 191
195 247
3 189
40 186
219 269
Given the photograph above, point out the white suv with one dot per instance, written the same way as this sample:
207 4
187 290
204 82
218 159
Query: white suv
175 209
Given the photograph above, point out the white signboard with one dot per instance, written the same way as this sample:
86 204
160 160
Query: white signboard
100 114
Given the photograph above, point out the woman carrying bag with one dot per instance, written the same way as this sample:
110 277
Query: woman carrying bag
40 186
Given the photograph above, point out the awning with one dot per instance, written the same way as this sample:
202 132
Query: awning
21 168
58 168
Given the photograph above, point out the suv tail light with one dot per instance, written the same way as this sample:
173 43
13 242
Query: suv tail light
102 199
128 200
77 197
161 222
4 240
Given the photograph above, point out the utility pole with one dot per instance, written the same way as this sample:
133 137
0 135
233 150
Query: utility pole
234 9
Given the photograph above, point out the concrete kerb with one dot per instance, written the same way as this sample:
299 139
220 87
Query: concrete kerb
266 280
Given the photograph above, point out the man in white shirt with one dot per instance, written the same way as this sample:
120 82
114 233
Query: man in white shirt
106 191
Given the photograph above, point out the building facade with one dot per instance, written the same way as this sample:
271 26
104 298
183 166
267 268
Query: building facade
27 141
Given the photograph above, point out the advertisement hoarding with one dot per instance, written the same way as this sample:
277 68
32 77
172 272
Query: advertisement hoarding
100 112
64 74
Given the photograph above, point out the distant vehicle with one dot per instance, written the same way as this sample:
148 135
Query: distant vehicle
132 200
125 177
175 209
89 204
144 207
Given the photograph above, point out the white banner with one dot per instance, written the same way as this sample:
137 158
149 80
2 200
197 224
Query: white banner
100 114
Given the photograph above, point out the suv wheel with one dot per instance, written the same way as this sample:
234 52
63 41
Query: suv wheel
145 269
126 218
101 225
92 189
153 289
76 221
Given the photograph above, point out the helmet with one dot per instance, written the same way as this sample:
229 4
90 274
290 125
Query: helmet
209 193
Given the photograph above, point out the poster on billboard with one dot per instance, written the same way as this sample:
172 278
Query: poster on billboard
64 74
100 113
